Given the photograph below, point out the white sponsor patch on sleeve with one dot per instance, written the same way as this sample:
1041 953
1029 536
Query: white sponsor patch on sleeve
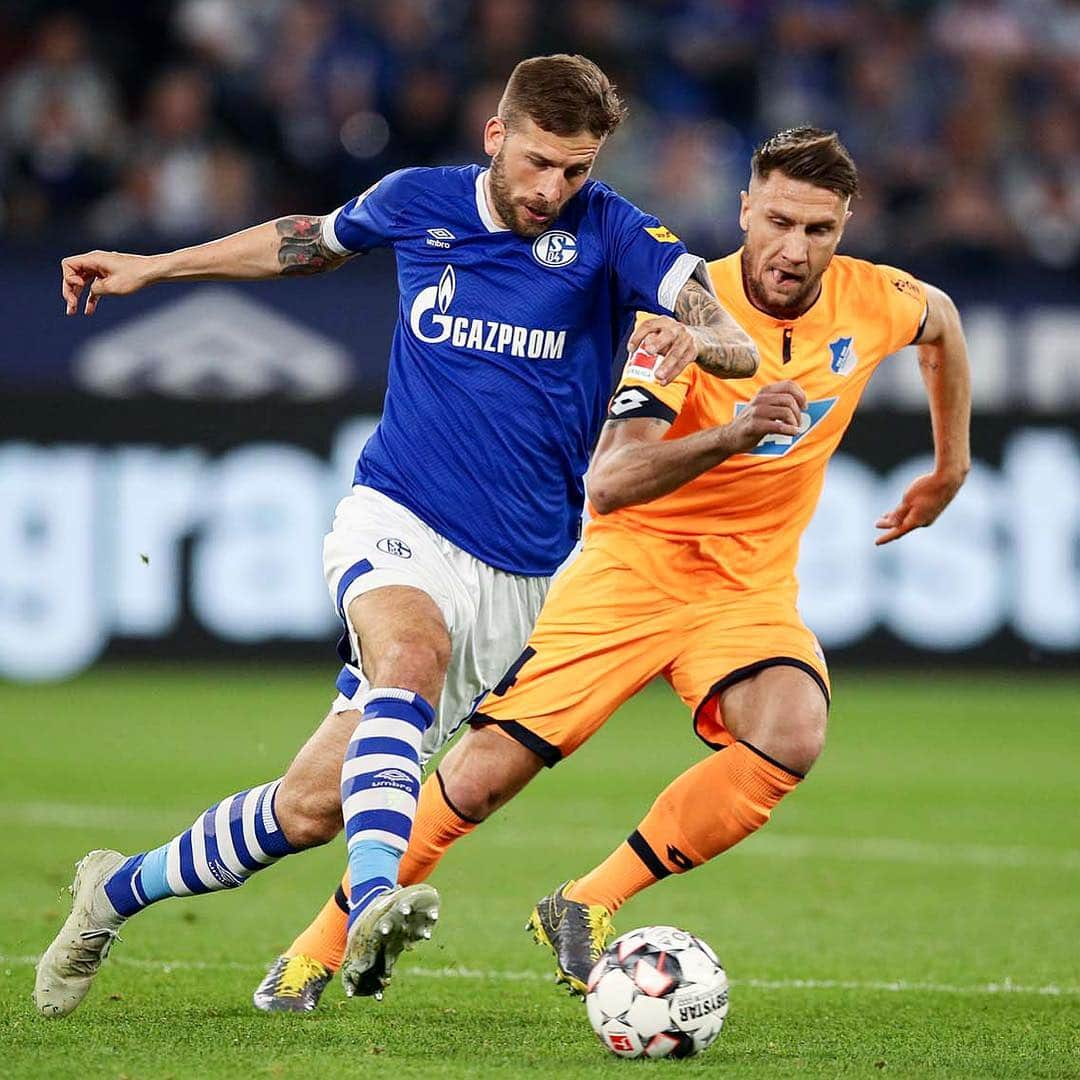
642 365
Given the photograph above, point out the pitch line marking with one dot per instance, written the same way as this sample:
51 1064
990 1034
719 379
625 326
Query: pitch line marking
767 845
898 986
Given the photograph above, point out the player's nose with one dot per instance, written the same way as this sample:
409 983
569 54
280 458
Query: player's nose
796 250
549 188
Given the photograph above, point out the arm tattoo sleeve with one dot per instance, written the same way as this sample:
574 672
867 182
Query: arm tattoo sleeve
301 250
725 349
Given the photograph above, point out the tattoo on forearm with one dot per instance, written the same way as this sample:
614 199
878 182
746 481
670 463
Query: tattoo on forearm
302 250
725 349
928 359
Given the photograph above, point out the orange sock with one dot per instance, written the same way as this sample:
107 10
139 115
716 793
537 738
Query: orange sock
324 939
436 827
701 813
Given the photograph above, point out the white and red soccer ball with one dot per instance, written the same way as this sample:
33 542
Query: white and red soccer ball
657 992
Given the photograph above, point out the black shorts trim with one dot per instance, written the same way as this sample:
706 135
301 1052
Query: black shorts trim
640 847
446 799
548 754
739 674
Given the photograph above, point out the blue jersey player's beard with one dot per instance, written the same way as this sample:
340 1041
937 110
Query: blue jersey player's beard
512 213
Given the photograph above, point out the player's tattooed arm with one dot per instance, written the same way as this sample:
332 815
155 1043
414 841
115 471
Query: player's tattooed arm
289 245
725 348
301 248
702 332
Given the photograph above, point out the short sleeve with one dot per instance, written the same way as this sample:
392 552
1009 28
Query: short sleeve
649 262
372 219
905 306
640 395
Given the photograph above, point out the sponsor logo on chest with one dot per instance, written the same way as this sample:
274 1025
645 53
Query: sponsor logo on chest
432 322
779 445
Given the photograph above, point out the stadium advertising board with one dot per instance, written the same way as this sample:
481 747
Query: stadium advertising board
168 529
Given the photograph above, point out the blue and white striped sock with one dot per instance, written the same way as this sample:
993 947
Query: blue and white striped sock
221 850
380 783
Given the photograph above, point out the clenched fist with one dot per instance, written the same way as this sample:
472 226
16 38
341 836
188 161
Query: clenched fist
774 410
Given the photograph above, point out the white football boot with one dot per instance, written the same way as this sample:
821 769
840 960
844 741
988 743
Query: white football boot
390 924
67 969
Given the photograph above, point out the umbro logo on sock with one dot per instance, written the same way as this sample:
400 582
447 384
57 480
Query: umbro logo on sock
395 778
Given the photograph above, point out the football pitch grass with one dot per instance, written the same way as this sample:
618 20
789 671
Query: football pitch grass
912 911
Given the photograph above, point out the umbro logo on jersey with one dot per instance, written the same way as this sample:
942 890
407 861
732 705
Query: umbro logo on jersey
556 248
779 445
439 238
627 401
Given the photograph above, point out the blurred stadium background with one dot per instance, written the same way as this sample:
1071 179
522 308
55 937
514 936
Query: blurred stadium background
168 468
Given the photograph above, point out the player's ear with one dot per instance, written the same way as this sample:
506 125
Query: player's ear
494 135
744 210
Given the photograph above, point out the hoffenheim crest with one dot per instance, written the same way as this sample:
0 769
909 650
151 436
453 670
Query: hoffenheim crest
555 248
843 355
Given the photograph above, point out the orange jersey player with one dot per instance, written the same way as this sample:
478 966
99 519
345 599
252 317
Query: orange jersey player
700 490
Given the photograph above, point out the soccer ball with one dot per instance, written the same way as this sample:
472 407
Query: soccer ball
657 992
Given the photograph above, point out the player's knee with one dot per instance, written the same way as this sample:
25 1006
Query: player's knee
472 796
307 818
802 743
414 662
484 771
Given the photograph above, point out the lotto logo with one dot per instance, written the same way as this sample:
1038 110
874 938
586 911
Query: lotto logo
627 401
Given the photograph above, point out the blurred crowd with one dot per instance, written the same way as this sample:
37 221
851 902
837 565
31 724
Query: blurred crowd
177 120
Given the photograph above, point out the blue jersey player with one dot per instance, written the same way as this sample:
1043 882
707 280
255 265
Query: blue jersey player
516 283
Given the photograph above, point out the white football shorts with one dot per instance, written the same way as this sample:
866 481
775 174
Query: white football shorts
376 541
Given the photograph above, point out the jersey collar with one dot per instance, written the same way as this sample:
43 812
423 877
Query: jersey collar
482 207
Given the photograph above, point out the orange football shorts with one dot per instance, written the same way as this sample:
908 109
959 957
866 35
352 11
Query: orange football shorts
605 631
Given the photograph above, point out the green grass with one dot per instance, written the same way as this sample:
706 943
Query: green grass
934 853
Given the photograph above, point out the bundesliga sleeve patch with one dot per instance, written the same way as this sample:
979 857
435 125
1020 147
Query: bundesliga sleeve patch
661 234
635 402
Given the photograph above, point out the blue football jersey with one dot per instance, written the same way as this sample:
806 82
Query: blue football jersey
500 367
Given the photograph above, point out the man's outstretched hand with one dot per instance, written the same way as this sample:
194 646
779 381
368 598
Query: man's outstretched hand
921 505
101 273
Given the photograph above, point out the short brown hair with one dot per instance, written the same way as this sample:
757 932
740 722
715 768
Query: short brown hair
810 154
562 94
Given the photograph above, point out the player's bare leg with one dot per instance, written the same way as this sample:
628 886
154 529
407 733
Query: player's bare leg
223 847
782 712
480 773
405 649
778 717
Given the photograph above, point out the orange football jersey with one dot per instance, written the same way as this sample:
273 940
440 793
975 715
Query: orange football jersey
739 524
